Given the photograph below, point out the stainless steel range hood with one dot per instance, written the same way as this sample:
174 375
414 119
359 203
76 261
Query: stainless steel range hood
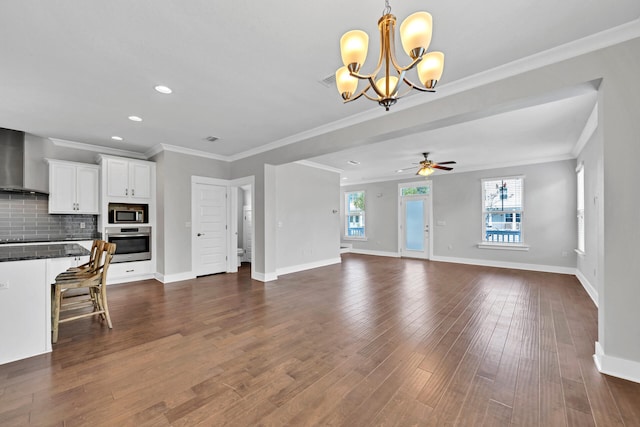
12 170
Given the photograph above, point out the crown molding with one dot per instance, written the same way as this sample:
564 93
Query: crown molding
96 148
182 150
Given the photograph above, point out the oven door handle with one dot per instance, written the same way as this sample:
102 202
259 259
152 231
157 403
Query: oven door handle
129 235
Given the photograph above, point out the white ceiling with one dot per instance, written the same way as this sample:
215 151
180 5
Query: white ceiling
248 72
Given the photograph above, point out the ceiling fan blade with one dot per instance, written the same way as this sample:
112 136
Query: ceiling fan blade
446 163
444 168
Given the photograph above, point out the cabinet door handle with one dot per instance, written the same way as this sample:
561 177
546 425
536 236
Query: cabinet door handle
133 191
126 191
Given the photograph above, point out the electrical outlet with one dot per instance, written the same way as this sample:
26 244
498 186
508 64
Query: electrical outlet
565 253
82 225
4 285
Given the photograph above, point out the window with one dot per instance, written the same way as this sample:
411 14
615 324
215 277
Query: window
502 210
354 215
580 207
408 191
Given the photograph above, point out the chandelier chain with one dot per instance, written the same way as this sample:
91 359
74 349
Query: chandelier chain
387 8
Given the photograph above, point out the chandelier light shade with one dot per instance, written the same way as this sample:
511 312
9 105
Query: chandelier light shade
415 35
353 48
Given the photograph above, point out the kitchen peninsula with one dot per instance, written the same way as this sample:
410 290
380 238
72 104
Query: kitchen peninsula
26 272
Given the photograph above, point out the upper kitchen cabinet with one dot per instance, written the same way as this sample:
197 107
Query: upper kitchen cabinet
128 178
73 188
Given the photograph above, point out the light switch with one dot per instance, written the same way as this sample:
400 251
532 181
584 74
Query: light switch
441 223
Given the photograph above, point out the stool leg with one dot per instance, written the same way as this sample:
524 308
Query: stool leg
56 312
102 295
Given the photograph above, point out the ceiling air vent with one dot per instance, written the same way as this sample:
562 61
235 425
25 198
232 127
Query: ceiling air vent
329 81
211 138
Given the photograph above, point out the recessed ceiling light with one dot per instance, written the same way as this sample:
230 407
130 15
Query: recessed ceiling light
353 162
117 138
135 118
400 170
163 89
344 177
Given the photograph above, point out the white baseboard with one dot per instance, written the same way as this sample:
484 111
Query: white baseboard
307 266
505 264
615 366
170 278
591 290
375 253
264 277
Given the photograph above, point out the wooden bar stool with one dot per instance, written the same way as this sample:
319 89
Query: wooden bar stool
94 280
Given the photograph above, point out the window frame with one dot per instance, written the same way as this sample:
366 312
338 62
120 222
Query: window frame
519 215
362 213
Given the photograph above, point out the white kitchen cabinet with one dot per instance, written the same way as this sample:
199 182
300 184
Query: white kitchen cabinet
129 179
74 188
25 322
130 271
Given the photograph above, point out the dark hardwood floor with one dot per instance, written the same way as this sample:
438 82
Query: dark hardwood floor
372 341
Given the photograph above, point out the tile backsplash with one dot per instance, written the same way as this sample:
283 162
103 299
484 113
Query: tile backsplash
26 217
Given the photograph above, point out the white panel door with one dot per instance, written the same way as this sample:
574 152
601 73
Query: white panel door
210 229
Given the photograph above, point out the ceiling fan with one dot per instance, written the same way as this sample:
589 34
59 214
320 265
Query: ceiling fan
427 166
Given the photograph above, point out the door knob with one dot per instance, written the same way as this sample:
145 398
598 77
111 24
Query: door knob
200 234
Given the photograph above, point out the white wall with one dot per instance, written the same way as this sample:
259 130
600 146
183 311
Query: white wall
587 263
549 220
174 205
549 227
381 217
308 231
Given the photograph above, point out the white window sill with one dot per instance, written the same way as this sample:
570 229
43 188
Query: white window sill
360 239
504 246
579 252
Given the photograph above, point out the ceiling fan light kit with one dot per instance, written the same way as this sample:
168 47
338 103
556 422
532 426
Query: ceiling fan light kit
427 167
415 35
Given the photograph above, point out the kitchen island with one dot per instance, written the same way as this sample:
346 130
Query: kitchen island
26 274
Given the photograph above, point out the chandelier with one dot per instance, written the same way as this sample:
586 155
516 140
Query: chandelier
415 35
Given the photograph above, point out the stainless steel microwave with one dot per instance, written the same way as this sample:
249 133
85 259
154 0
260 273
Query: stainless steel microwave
127 216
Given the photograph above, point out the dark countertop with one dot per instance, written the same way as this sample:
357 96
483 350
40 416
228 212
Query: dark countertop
25 252
50 239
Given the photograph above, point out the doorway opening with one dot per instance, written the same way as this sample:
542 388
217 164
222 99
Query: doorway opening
414 219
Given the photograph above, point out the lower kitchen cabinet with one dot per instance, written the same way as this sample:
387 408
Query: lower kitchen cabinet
130 271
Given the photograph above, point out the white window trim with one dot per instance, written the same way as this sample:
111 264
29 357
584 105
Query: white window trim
504 246
346 216
522 246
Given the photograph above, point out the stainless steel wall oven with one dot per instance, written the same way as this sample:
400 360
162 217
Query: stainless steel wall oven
132 243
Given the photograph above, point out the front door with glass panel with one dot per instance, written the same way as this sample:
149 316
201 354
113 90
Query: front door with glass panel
415 226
